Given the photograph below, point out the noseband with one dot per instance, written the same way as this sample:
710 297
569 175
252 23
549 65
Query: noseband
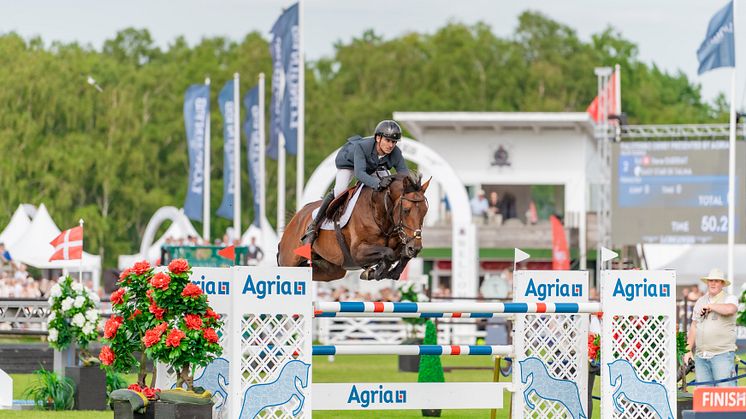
400 227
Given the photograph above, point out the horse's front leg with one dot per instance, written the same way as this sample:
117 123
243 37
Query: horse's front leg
380 257
396 271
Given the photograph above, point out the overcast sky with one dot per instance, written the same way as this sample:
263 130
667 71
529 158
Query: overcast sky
667 32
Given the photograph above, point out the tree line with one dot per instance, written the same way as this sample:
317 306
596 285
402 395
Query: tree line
113 157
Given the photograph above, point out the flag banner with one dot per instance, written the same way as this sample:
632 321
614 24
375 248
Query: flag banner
68 245
519 255
283 47
560 251
607 254
225 101
594 109
719 47
251 129
196 118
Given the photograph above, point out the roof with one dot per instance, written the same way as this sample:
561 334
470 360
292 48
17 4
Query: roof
420 123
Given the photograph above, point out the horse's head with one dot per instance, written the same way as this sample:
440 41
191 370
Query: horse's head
616 370
410 207
526 371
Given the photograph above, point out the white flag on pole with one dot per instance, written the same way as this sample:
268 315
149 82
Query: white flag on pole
520 256
607 255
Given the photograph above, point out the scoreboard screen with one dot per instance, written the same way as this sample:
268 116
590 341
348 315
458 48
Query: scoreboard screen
674 192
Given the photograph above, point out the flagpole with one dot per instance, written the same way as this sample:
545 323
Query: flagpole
80 266
732 166
280 182
300 141
261 182
236 158
206 190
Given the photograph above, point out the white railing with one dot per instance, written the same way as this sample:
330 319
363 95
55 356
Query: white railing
333 331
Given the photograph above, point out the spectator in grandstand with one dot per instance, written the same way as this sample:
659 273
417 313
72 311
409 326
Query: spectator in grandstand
507 206
712 334
255 253
494 208
5 257
480 206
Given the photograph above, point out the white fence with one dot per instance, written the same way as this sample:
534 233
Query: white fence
333 331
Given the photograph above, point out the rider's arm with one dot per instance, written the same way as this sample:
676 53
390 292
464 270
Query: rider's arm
361 166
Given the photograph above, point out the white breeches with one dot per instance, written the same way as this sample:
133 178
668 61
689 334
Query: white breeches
344 176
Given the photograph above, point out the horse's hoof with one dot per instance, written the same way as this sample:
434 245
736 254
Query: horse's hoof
364 275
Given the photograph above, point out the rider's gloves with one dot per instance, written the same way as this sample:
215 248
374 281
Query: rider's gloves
385 182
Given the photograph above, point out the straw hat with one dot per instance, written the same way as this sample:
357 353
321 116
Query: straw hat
716 274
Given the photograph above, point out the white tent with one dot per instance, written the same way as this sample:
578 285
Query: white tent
33 248
18 224
180 229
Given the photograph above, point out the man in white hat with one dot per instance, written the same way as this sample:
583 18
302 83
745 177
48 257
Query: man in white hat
712 334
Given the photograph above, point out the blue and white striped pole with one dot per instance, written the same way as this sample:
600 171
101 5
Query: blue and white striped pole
501 350
406 307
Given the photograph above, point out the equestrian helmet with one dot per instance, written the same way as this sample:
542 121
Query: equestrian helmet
389 129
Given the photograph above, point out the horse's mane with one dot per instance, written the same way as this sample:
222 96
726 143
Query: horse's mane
413 181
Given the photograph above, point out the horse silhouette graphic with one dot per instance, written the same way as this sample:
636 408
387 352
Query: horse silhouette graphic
214 378
278 392
547 387
637 391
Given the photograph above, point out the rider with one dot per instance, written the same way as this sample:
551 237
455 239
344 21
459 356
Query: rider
362 157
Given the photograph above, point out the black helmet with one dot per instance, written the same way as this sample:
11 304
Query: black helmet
389 129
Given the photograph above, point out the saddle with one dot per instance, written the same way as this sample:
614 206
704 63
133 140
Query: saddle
339 204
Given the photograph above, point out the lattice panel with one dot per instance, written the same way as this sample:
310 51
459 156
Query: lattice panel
267 343
643 342
558 340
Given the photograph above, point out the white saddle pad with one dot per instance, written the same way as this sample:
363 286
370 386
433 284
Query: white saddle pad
328 224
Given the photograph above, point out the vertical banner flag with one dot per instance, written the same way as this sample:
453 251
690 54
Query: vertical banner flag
68 245
560 251
285 74
593 109
225 101
719 47
251 129
196 115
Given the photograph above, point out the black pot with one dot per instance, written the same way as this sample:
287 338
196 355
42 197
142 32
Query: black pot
90 387
410 363
433 413
170 410
123 410
684 402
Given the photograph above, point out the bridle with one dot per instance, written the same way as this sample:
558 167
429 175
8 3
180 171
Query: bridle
399 228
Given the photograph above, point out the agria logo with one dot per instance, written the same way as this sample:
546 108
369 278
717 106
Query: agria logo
367 397
211 287
633 290
262 288
542 291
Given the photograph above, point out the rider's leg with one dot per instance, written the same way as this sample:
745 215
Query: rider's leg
343 179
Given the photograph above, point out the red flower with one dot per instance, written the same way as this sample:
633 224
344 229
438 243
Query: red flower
149 293
174 338
135 314
116 296
149 392
212 314
157 311
111 327
135 387
178 266
210 335
106 356
191 290
141 267
125 273
193 321
152 337
161 327
160 280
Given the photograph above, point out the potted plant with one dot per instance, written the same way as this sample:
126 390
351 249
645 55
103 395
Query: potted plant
431 370
594 366
51 391
411 363
124 350
73 319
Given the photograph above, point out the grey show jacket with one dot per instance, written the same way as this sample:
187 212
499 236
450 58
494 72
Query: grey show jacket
360 154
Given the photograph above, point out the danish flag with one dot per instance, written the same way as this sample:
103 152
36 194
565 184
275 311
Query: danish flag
68 245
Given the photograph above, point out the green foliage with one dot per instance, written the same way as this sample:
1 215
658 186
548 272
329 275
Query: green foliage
73 315
680 346
114 157
51 391
409 294
431 371
114 381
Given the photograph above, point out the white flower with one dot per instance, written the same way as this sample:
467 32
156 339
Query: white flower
52 316
88 328
91 315
93 296
50 300
67 304
79 301
78 320
77 286
56 290
52 335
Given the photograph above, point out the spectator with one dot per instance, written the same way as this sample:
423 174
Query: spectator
480 206
494 209
507 206
255 254
712 333
5 257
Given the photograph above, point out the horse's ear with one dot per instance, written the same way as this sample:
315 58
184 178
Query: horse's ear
426 184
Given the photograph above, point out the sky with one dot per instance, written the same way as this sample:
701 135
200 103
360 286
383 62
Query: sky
667 32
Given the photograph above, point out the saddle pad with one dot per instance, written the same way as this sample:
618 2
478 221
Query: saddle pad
329 224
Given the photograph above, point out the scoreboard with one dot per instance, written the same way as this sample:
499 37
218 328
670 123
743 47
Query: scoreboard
674 192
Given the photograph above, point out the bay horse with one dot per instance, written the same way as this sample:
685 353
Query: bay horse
384 232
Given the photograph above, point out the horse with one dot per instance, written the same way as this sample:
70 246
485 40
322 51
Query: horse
278 392
214 378
384 232
549 388
635 390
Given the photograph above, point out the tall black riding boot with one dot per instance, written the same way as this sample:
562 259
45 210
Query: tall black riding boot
311 231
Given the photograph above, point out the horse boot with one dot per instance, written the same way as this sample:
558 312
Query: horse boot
312 231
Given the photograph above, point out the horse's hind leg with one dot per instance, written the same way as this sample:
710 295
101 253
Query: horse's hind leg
325 271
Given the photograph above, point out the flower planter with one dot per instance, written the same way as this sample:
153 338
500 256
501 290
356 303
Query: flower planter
170 410
90 387
123 410
593 371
